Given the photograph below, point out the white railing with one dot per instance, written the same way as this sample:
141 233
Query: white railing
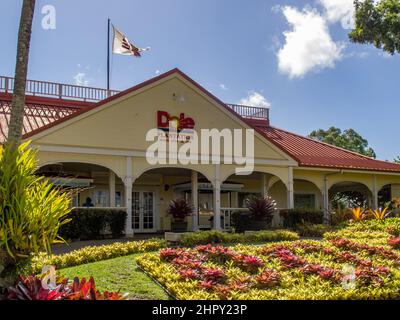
90 94
226 213
249 112
58 90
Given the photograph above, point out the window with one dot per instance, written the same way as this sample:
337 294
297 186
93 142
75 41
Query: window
304 201
100 198
205 201
118 199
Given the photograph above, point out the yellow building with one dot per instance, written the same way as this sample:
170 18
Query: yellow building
96 139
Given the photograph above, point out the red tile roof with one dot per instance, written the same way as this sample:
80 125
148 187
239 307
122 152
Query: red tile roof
312 153
42 113
39 112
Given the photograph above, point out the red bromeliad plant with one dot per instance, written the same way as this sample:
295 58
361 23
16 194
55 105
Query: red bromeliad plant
86 290
248 263
219 254
169 254
187 262
214 274
31 288
372 276
288 258
191 274
180 209
347 244
267 279
394 242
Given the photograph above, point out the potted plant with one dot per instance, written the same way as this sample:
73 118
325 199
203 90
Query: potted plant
261 210
179 209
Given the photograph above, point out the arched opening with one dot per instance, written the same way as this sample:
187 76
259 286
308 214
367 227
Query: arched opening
153 191
95 185
307 195
385 196
254 185
349 194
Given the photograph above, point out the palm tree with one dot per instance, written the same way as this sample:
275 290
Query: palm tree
7 264
21 70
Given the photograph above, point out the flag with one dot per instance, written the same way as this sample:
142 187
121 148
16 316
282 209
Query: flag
121 45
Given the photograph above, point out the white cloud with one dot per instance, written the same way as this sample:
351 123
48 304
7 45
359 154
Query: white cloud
81 80
157 72
308 45
255 99
339 10
223 87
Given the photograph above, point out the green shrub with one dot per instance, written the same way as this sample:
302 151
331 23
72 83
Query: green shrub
93 254
213 237
376 232
312 230
93 223
293 217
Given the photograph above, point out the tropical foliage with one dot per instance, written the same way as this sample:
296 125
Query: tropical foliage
179 209
346 265
261 207
31 209
31 288
358 213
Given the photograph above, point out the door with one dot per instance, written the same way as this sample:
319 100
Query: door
143 207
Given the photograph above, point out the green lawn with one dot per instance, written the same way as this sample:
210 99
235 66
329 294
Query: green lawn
119 274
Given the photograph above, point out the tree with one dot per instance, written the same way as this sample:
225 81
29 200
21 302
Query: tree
377 24
348 139
21 70
397 159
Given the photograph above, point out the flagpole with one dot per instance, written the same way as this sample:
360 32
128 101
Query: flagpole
108 54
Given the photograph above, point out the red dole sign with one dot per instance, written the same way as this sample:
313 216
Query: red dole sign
181 123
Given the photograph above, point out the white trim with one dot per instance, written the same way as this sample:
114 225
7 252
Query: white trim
290 189
339 170
140 154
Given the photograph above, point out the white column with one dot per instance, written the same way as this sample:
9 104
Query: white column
128 181
195 200
375 191
290 189
217 198
327 213
111 188
264 184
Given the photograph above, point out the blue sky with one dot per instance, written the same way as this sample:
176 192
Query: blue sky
294 55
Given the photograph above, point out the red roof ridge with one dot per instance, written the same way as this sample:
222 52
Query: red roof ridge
330 145
333 147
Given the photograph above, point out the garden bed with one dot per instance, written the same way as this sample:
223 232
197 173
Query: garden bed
336 268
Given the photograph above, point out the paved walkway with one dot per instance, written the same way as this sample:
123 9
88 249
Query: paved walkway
65 248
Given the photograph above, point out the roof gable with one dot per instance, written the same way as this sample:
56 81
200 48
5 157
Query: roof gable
132 113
